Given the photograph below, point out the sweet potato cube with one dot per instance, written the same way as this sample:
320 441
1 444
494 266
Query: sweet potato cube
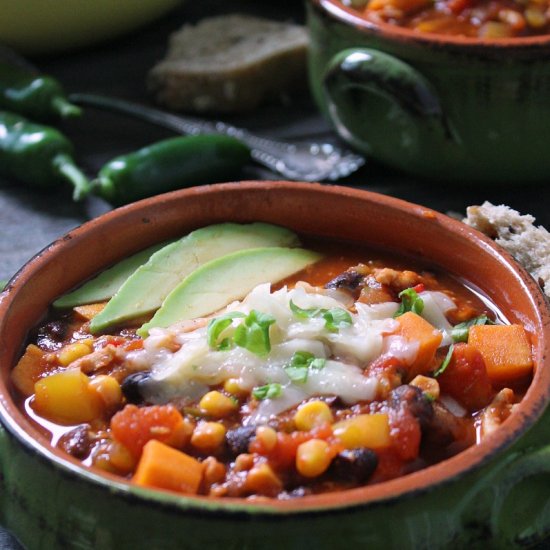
28 370
66 397
414 328
505 349
89 311
164 467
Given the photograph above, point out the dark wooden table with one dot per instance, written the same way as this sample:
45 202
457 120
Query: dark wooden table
29 219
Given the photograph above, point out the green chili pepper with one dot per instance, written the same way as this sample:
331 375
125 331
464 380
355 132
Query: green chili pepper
37 96
168 165
38 155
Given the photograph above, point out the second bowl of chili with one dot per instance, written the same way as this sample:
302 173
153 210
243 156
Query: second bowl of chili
462 102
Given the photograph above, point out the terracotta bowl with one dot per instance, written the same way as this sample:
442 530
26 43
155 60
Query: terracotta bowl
449 108
497 490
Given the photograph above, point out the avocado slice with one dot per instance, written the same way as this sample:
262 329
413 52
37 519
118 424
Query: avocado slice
223 280
108 282
145 290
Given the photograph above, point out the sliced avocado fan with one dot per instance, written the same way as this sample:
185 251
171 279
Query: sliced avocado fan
108 282
223 280
145 290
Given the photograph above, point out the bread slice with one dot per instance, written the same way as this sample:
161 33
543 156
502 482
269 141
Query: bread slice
516 233
230 63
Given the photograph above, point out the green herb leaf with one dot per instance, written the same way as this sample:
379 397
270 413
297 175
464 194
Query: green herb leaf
306 313
461 331
253 333
297 374
336 318
300 363
215 328
410 301
269 391
446 362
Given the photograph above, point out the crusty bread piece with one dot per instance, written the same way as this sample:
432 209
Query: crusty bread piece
516 233
230 63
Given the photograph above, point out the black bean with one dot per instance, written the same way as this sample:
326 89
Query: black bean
239 439
354 465
412 398
132 387
349 280
77 442
51 335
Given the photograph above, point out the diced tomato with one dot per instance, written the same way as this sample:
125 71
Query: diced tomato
115 341
466 378
457 6
420 287
134 426
405 433
133 345
390 466
283 455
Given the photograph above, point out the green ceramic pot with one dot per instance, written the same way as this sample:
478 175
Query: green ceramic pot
448 108
493 495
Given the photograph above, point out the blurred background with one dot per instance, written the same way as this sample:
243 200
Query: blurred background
31 219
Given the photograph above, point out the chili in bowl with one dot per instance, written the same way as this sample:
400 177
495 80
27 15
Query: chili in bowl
353 368
474 18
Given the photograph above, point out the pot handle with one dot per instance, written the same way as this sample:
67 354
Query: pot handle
361 77
517 494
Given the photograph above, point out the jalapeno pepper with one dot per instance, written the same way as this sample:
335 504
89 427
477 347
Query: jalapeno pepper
37 96
38 155
168 165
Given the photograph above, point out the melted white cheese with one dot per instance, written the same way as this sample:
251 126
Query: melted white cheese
189 372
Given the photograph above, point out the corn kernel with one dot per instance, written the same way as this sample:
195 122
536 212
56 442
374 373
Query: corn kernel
364 430
121 458
262 480
267 437
312 414
208 436
102 459
535 17
108 389
313 458
232 386
217 404
244 462
72 352
430 386
214 471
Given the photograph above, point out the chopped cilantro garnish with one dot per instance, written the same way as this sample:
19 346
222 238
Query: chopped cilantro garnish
410 301
445 362
300 363
215 328
253 333
306 313
269 391
335 318
461 331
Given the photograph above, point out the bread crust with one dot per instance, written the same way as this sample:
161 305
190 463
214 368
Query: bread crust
230 64
516 233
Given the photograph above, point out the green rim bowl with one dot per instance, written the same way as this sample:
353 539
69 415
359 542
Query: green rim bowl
495 493
449 108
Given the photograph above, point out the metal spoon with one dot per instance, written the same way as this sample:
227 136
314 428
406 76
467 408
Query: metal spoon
305 161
